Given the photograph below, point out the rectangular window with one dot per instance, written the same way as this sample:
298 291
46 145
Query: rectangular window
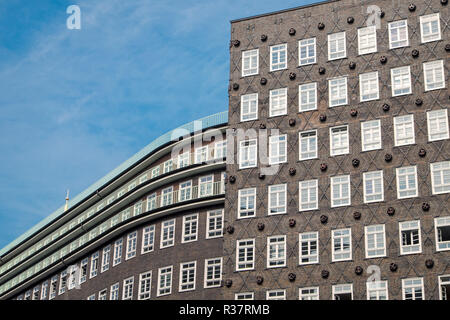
164 281
276 294
205 186
249 107
407 182
131 245
53 286
307 97
440 177
307 51
244 296
190 228
371 135
220 150
343 292
308 195
375 241
377 290
214 227
127 293
213 272
444 287
277 199
278 102
337 91
308 145
278 57
187 276
247 203
442 231
277 149
276 251
167 233
183 159
342 244
105 258
311 293
245 254
148 239
308 248
201 154
373 186
339 141
117 252
437 125
250 62
62 283
336 46
433 73
368 86
83 270
401 81
91 297
398 34
102 294
138 208
155 172
94 265
404 130
430 28
185 191
247 154
151 202
340 191
367 40
410 238
412 289
114 293
145 285
166 196
168 166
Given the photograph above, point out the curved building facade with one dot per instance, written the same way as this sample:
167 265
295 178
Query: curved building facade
328 177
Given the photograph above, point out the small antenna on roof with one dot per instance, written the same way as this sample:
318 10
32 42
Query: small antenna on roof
67 201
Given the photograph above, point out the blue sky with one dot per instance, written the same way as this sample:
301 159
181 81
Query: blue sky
74 104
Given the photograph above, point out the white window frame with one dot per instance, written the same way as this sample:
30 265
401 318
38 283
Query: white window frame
371 135
249 102
131 245
213 273
309 138
439 222
345 253
307 97
247 248
206 186
106 258
216 220
308 293
372 233
337 92
309 188
379 288
166 196
185 191
277 149
276 251
410 226
369 86
396 26
437 125
244 296
151 202
436 68
190 228
370 179
250 62
189 269
401 125
168 233
308 58
277 205
128 287
404 173
118 248
148 239
336 49
443 282
248 158
408 284
342 288
342 146
276 52
83 270
220 149
443 169
341 199
248 197
94 265
102 294
426 21
165 285
145 285
201 154
403 84
278 102
311 239
367 40
276 294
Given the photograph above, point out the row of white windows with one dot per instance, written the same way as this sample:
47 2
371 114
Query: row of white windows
412 289
371 139
337 45
338 91
341 244
373 190
187 282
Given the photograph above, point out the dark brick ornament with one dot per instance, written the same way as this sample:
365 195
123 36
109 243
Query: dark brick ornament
388 157
230 229
261 176
425 206
292 32
262 126
415 53
236 43
355 162
386 107
232 179
429 263
419 102
422 153
359 270
357 215
350 20
323 118
292 277
228 283
325 274
259 280
323 166
382 14
322 70
263 81
321 26
292 171
390 211
291 122
235 86
412 7
292 75
323 219
353 112
263 37
260 226
393 267
352 65
444 2
292 222
383 59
